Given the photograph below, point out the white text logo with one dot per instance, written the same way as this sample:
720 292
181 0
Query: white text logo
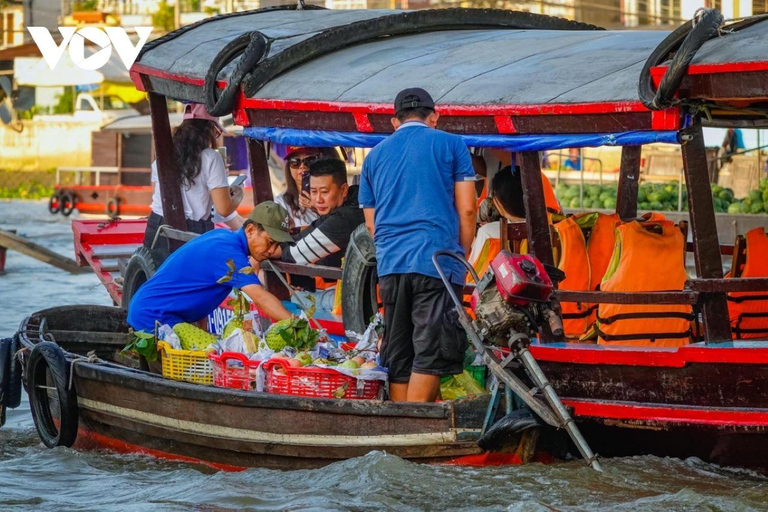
115 37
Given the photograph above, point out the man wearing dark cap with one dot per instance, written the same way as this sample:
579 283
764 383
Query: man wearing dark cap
417 190
186 287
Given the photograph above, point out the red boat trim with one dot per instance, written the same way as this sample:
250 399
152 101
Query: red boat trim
140 69
450 110
716 69
656 357
665 413
94 440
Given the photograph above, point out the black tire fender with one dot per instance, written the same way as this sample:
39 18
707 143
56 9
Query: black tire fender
67 203
251 47
5 366
54 203
113 207
47 368
140 268
359 279
684 41
13 388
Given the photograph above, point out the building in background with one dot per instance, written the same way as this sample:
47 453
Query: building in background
11 23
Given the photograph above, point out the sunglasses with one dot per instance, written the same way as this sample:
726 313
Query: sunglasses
298 162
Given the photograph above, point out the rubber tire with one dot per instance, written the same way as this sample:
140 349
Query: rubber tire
5 367
49 355
53 210
67 203
358 291
140 268
113 208
13 396
501 432
684 41
251 49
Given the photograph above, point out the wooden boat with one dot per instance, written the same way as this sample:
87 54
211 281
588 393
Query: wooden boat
327 78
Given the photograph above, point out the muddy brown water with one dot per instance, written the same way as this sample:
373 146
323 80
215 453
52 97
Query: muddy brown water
33 477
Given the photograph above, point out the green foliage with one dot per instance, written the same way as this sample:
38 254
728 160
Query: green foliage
144 344
29 190
87 5
291 332
66 104
163 18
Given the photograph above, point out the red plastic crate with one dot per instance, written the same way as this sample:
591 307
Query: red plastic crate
283 379
238 376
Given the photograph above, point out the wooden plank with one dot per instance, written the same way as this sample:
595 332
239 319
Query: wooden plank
173 206
260 177
706 246
91 337
262 191
537 225
626 200
160 386
308 270
536 219
28 248
682 297
742 284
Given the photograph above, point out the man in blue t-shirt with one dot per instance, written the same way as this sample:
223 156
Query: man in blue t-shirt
186 287
417 191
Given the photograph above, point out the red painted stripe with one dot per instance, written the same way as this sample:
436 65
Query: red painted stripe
362 123
87 439
504 124
116 188
703 416
450 110
652 357
716 68
141 69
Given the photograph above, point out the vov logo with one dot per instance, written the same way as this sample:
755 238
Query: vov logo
107 39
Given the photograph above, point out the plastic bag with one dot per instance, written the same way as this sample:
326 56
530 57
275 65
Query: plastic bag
460 386
166 333
369 340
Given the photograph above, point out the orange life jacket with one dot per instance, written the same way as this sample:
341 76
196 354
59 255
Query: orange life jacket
550 199
600 246
575 263
749 310
647 262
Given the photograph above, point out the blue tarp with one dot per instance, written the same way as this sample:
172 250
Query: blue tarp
316 138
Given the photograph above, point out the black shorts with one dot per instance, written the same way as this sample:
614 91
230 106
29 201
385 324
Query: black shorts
422 333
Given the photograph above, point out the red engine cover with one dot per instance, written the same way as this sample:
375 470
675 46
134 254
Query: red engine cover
521 278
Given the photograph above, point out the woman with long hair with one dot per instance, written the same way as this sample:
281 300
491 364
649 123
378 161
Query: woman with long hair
294 199
201 175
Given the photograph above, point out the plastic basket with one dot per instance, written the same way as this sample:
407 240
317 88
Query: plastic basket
240 375
188 365
477 373
283 379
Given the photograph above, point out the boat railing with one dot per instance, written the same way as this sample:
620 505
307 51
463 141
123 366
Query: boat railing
79 172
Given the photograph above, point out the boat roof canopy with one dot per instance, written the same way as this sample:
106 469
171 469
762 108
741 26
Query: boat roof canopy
337 72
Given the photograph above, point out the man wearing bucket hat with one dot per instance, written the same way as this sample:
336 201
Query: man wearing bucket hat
187 287
422 338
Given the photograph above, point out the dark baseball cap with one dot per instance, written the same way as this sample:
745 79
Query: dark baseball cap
274 219
413 98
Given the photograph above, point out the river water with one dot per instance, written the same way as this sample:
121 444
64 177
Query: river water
33 477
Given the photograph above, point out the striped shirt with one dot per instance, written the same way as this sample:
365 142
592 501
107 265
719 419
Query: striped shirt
325 241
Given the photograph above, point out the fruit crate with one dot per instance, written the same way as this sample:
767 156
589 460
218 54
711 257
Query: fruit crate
187 365
283 379
478 373
240 375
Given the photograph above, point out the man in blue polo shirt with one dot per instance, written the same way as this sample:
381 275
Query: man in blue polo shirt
417 190
186 287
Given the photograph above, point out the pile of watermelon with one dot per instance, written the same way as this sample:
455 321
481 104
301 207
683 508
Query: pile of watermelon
661 197
755 202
